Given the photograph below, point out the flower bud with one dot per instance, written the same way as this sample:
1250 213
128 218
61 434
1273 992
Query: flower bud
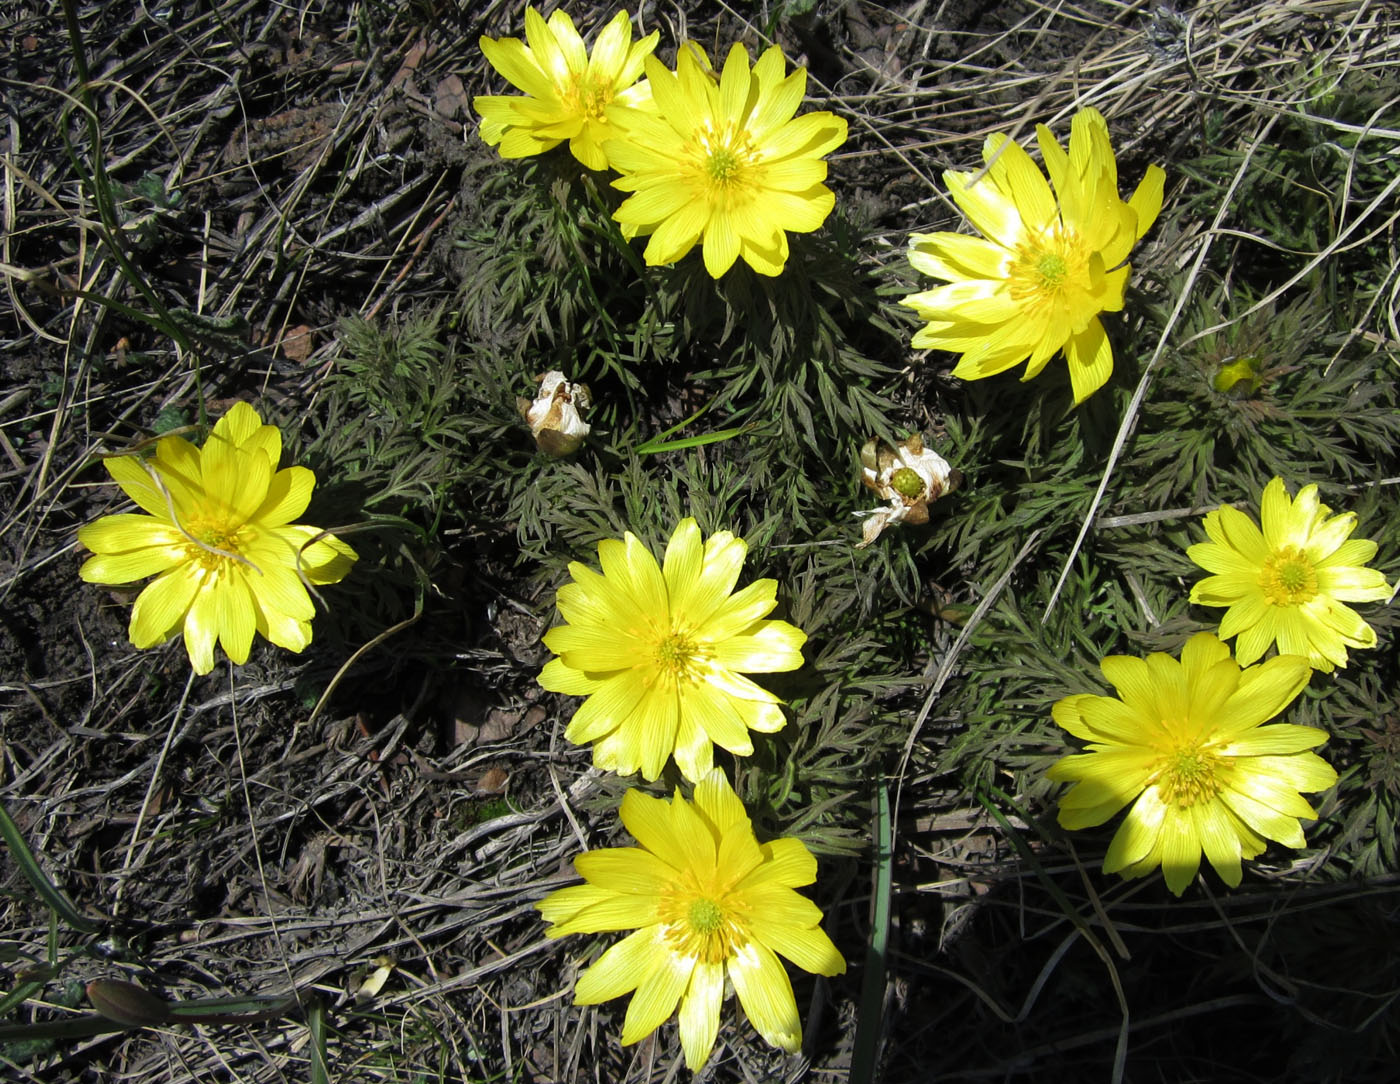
1239 378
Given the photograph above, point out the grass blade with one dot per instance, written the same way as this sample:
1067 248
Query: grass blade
870 1024
49 892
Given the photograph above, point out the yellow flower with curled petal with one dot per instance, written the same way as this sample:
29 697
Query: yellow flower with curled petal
660 652
1288 583
219 539
707 902
567 91
723 161
1185 743
1047 264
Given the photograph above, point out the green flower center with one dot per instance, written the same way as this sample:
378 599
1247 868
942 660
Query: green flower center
1288 578
698 922
725 161
907 483
677 655
722 164
1187 776
589 97
216 542
1047 267
1052 270
706 916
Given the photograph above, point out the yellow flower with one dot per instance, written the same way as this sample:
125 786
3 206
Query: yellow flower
228 560
1047 263
660 654
723 161
1187 741
706 899
567 92
1287 585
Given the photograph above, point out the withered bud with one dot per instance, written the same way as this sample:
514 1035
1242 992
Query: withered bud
909 476
555 416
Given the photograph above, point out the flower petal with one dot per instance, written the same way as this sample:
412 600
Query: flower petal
766 994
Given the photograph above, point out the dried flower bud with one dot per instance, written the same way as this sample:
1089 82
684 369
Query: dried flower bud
555 416
909 476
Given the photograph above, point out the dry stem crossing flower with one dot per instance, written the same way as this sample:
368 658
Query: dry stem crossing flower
1047 263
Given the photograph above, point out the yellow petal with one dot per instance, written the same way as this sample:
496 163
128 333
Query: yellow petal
1133 681
734 86
127 532
610 49
811 135
773 647
1146 200
1279 738
626 871
990 210
614 701
694 752
718 802
650 822
288 494
675 236
954 256
721 246
1017 174
653 725
1138 835
161 607
601 910
810 948
1215 829
620 968
201 627
1181 849
558 677
116 568
140 483
656 995
779 105
1090 358
233 613
766 995
787 861
1264 691
699 1015
510 57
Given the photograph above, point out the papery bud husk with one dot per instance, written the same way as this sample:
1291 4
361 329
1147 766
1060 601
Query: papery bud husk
555 417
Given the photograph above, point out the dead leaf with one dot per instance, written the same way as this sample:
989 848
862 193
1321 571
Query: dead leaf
493 781
450 98
298 343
